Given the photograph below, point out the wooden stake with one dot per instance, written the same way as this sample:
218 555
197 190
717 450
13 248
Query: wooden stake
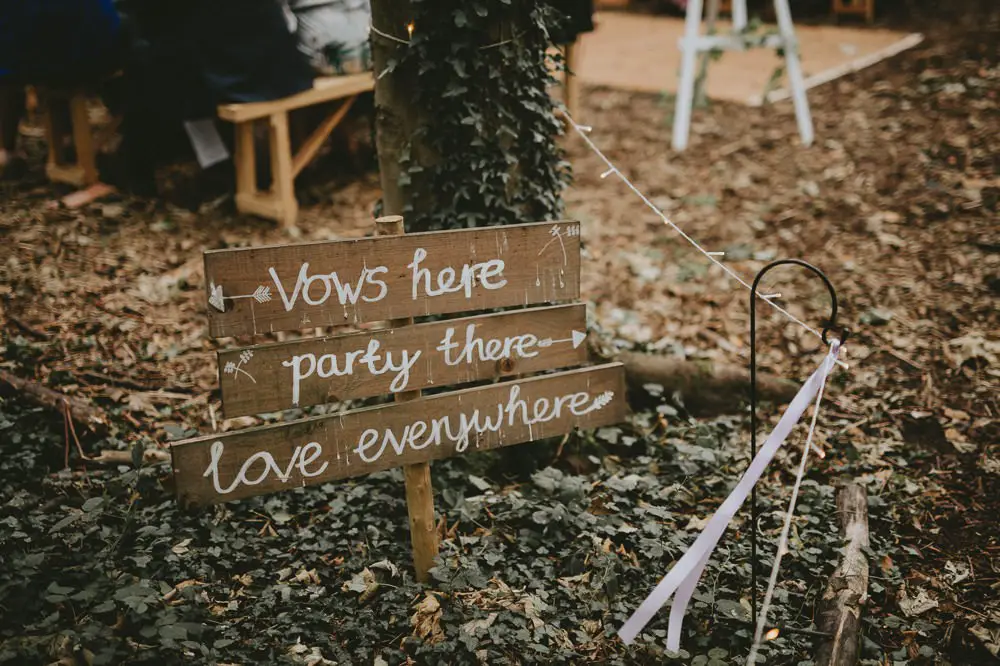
839 611
419 492
571 78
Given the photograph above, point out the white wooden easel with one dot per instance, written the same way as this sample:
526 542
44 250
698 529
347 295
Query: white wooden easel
694 43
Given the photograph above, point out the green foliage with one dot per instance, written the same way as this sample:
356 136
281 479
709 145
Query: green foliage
486 150
541 565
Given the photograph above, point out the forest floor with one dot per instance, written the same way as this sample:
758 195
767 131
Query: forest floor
897 202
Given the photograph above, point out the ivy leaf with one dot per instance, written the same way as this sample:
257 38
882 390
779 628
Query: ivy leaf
461 20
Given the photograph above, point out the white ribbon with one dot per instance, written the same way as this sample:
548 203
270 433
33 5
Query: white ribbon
681 580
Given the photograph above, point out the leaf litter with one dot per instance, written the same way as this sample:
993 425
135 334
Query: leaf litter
897 202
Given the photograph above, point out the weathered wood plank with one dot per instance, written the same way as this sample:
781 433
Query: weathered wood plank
332 283
325 89
318 450
312 371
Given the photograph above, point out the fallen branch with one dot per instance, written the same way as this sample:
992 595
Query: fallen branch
705 387
839 610
82 413
115 457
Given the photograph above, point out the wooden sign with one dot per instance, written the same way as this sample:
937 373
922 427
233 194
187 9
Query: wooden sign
276 288
322 449
396 277
272 377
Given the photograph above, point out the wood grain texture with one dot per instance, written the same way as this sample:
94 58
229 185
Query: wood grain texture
284 375
416 476
318 450
376 277
325 89
838 612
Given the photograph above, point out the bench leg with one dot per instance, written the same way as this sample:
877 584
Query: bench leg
53 136
245 161
312 145
279 202
282 174
84 171
83 140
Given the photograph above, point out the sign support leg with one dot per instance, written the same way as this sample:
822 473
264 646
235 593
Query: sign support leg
685 91
794 67
419 492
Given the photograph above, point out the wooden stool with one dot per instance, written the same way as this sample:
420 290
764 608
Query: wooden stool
866 7
83 171
279 202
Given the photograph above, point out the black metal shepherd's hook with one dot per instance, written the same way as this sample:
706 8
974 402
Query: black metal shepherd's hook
828 326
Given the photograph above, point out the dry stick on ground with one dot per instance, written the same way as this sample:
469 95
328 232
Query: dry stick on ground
839 611
115 457
81 412
706 387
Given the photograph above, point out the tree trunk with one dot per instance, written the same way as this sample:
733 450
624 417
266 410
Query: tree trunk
396 114
839 610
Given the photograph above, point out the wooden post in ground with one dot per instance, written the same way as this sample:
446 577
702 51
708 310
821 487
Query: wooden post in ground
839 610
571 78
419 492
396 120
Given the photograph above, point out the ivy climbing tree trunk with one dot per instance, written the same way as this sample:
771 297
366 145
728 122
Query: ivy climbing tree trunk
465 128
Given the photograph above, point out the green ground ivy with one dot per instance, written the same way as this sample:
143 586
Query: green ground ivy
543 567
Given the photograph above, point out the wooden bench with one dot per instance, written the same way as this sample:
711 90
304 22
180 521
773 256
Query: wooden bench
279 202
82 170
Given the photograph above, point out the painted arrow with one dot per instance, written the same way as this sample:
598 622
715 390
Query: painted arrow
216 298
577 338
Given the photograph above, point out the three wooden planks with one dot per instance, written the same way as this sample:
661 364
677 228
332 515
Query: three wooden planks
307 285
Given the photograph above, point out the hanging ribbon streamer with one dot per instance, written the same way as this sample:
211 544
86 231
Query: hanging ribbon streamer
681 580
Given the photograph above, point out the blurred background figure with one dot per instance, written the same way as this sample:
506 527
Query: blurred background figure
54 43
333 34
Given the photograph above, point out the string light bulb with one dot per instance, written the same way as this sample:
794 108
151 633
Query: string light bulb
409 29
772 634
